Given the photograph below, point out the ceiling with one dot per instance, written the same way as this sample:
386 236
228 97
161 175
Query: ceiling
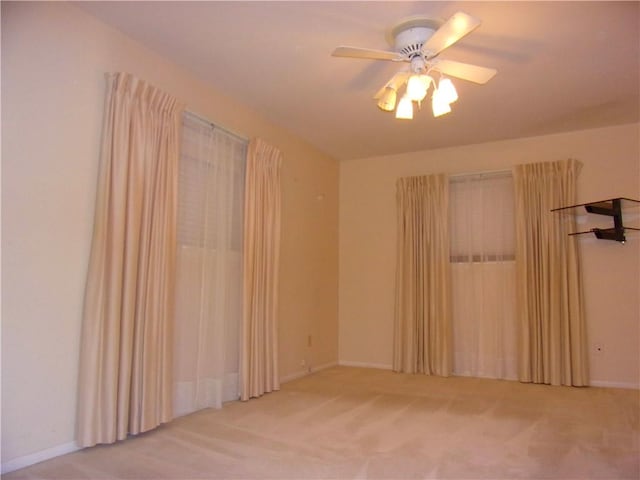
561 66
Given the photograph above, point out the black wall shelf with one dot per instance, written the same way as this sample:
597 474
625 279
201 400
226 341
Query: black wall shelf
613 207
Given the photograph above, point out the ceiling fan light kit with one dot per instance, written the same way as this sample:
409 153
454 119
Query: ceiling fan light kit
388 100
439 105
419 40
405 108
447 91
417 86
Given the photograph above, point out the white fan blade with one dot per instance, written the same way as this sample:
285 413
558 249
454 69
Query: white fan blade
368 53
449 33
465 71
396 82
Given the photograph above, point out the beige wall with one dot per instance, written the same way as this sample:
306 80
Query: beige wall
54 57
611 158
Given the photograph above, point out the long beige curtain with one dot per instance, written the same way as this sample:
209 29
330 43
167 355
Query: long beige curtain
125 384
422 327
552 331
259 344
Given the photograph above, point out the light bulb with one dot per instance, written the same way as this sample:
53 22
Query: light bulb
388 100
405 108
417 87
447 91
438 105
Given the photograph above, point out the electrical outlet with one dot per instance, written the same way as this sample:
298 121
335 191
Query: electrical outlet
598 348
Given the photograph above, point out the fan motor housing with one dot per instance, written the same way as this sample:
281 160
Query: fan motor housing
408 36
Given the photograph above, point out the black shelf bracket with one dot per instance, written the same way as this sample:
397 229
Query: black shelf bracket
612 208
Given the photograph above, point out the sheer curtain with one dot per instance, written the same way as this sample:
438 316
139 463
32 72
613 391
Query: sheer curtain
259 342
422 326
552 335
483 275
125 378
209 266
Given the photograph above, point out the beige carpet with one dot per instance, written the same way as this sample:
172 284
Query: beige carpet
347 423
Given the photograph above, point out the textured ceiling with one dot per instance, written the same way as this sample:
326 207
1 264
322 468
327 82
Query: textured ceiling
561 66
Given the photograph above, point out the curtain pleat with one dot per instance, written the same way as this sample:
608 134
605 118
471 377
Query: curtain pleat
422 326
125 384
259 345
552 331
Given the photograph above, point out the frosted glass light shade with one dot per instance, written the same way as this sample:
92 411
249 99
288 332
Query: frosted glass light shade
447 91
417 87
438 105
405 108
388 100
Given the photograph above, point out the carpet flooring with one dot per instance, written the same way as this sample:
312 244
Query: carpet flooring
356 423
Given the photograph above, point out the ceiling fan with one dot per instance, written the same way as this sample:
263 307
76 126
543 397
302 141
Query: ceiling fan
419 41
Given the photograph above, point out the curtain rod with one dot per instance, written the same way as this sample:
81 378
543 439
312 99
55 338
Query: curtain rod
488 173
209 122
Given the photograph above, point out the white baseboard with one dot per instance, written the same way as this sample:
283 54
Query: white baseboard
380 366
607 384
37 457
294 376
304 373
323 366
486 377
593 383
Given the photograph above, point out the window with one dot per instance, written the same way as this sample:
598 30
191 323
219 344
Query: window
482 232
208 212
209 266
482 218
